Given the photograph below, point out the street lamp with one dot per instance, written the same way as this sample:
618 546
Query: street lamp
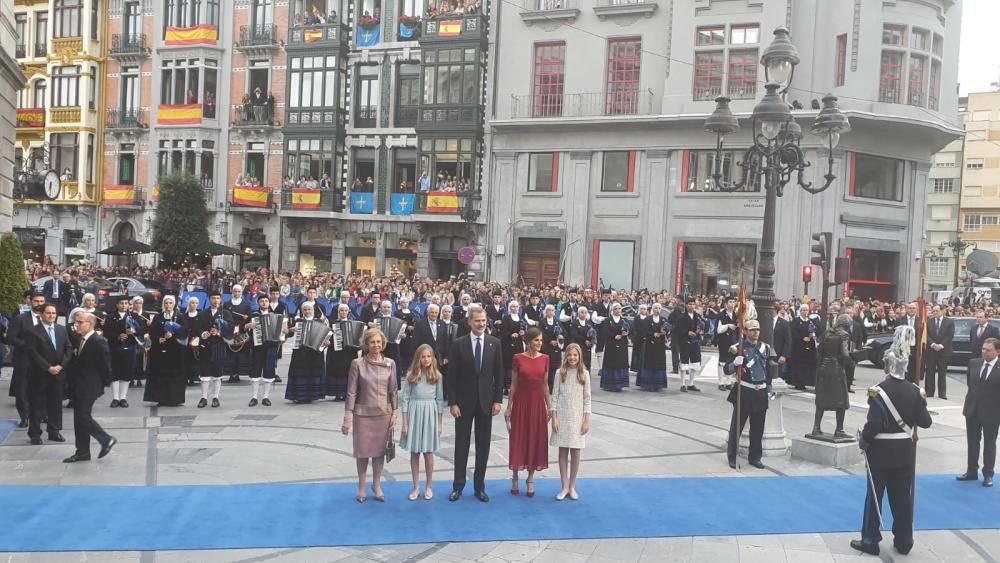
958 248
775 155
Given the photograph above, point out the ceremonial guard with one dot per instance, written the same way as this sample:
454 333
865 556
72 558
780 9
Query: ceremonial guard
750 395
579 331
686 337
406 346
263 356
552 337
306 371
189 320
614 368
510 331
338 362
653 357
238 361
726 335
637 332
123 332
895 408
213 323
167 382
806 332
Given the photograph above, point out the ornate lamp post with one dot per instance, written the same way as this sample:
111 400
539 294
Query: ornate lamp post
774 155
958 248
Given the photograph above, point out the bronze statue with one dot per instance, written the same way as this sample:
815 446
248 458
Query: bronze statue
831 380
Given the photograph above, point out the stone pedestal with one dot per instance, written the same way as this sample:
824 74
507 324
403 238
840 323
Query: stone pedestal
775 443
830 454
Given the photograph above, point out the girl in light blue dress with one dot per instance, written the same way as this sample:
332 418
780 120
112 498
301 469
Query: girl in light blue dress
422 406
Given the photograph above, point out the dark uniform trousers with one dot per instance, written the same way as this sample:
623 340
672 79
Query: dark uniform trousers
84 426
756 431
45 392
899 482
260 367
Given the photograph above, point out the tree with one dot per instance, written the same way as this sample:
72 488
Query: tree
181 218
13 280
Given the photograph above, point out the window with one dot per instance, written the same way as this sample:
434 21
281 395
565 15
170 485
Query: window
68 15
937 267
66 86
129 80
938 46
701 166
407 94
840 69
451 76
932 95
918 80
189 13
891 80
262 14
971 224
21 31
613 263
38 94
543 172
93 87
974 163
737 67
413 8
64 149
311 159
451 163
619 172
714 35
742 74
944 185
182 84
744 34
404 167
95 7
90 158
919 39
41 33
313 82
709 268
708 75
126 164
548 79
990 219
188 156
877 178
894 35
624 64
132 22
254 170
368 96
972 191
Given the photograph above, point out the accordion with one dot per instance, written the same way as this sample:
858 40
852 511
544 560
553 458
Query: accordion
348 333
268 329
311 334
392 327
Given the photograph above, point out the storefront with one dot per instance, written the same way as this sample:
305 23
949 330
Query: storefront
256 253
872 275
32 243
714 268
315 252
360 258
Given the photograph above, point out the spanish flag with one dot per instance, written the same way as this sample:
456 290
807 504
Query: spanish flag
442 202
197 35
247 196
313 35
156 193
179 115
450 28
119 195
305 198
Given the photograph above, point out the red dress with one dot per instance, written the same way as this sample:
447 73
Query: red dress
529 430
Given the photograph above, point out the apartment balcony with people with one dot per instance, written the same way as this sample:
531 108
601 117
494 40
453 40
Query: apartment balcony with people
128 47
316 24
127 119
249 195
461 21
255 113
615 103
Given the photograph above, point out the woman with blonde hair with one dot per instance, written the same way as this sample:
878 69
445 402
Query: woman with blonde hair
371 407
570 417
422 406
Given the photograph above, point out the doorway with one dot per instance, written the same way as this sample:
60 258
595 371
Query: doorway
538 261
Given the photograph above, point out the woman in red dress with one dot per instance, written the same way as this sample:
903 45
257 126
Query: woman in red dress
527 411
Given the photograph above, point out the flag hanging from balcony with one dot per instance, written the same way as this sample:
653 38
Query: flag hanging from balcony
407 31
368 36
363 202
305 198
401 204
247 196
442 202
155 192
119 195
31 117
313 35
450 28
189 114
197 35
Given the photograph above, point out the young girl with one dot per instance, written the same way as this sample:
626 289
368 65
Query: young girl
422 408
570 417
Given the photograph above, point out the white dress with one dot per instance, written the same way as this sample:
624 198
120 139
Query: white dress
571 400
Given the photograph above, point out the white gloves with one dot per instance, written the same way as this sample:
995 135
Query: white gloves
738 361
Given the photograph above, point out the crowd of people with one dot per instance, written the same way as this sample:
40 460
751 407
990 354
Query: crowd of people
456 8
256 107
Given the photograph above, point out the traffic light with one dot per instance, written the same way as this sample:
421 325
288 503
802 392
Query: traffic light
822 249
807 274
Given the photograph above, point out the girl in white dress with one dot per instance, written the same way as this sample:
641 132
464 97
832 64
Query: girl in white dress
570 417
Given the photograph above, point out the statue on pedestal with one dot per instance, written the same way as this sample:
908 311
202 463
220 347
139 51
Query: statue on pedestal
831 380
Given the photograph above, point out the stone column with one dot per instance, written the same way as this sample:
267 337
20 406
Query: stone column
774 443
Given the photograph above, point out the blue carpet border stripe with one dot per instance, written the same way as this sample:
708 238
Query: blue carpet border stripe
7 427
122 518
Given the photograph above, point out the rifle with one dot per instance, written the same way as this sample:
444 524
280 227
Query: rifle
743 310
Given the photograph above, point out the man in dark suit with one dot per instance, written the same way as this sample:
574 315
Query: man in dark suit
57 292
782 343
857 335
982 412
50 352
372 309
940 333
981 332
18 336
475 394
432 331
87 371
912 320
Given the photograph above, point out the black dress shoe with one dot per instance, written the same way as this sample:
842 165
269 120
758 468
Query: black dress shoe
903 550
215 403
277 379
57 437
36 441
114 403
693 388
860 546
967 476
22 424
482 496
988 481
76 457
455 495
943 397
106 448
266 402
252 403
123 404
202 403
732 464
757 464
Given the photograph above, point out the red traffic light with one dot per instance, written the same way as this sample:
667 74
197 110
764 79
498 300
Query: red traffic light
807 273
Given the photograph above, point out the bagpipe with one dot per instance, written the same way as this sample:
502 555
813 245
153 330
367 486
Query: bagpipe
133 324
234 342
172 327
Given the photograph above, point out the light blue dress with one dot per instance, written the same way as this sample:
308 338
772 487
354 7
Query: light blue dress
421 405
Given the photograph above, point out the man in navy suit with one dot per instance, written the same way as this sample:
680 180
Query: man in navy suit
982 412
50 351
940 334
980 333
89 368
432 331
56 291
475 395
18 336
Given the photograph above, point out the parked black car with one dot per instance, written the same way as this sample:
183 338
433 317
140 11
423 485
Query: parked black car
151 291
961 351
101 288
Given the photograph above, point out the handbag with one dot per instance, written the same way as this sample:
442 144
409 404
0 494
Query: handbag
390 448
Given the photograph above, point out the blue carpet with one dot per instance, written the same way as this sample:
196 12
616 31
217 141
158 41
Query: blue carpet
280 516
6 427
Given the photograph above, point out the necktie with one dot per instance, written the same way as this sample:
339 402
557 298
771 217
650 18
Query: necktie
980 335
52 336
55 289
986 372
479 354
80 349
434 331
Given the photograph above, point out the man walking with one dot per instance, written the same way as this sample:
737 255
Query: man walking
87 372
982 412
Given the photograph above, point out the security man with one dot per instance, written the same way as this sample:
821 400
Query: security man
759 366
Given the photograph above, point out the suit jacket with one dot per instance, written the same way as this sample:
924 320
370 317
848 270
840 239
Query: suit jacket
983 399
465 384
18 336
89 368
782 338
423 335
44 355
976 340
62 302
943 336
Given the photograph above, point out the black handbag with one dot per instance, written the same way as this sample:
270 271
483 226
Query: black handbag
390 448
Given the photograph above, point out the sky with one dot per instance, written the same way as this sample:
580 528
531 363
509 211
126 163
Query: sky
979 59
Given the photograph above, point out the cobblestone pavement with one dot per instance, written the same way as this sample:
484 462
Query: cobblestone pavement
634 434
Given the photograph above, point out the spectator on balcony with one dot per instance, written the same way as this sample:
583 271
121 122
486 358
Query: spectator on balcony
67 175
332 18
258 100
209 104
432 12
287 183
370 185
246 109
206 181
300 20
191 98
357 186
326 183
269 107
425 182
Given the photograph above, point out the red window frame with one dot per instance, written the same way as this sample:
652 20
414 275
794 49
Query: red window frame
623 77
548 79
709 32
918 71
744 28
742 83
840 69
889 34
708 70
891 77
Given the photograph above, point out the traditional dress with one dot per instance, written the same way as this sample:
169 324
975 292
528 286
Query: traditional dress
653 373
422 403
306 373
529 418
581 332
509 333
238 363
570 401
637 333
802 363
551 346
167 382
614 369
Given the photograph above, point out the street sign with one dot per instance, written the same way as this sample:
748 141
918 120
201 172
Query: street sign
466 255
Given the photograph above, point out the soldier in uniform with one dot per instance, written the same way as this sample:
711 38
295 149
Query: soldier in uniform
726 335
758 358
895 407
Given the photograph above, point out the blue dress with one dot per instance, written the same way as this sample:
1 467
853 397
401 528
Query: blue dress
422 403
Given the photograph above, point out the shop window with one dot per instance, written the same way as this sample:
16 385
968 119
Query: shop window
715 268
613 263
876 177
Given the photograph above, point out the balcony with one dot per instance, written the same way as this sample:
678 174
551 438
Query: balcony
449 118
41 49
126 119
124 197
406 116
65 115
311 36
20 51
253 118
445 203
610 8
251 199
309 118
128 46
409 28
453 28
592 104
889 95
549 11
72 46
706 94
258 39
309 199
30 118
366 117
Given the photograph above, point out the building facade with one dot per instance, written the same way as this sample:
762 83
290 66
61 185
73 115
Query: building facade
600 170
943 225
11 83
980 214
59 128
